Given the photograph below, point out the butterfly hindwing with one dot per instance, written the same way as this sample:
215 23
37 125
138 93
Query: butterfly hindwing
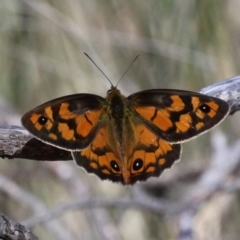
178 115
68 122
101 157
146 155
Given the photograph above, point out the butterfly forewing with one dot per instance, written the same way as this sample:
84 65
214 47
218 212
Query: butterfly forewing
176 115
69 122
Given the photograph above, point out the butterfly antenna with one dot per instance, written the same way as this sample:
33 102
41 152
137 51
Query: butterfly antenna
99 68
127 69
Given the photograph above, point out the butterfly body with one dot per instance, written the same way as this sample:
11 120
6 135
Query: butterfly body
125 139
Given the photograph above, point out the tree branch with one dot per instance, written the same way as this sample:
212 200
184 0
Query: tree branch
10 230
228 90
16 142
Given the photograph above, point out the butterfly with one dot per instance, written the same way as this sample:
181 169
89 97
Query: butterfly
125 139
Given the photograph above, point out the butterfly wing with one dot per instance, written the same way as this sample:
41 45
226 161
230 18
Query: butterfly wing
177 115
69 122
145 154
101 157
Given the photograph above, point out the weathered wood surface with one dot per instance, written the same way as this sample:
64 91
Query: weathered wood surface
16 142
10 230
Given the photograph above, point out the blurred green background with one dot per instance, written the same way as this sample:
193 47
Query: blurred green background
182 44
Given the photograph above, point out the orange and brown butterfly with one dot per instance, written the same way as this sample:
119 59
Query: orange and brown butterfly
125 139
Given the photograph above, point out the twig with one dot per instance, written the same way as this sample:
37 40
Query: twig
16 142
157 207
10 230
224 160
228 90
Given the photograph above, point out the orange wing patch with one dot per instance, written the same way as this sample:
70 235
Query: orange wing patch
177 103
66 132
64 111
161 118
184 123
86 122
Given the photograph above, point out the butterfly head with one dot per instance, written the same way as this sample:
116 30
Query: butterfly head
113 91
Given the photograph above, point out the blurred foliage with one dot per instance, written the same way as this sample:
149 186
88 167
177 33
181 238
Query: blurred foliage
182 44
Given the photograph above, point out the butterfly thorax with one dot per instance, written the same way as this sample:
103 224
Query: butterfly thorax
116 104
117 112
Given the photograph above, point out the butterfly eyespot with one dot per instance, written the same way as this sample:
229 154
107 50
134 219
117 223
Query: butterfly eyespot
42 120
205 108
115 166
138 164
